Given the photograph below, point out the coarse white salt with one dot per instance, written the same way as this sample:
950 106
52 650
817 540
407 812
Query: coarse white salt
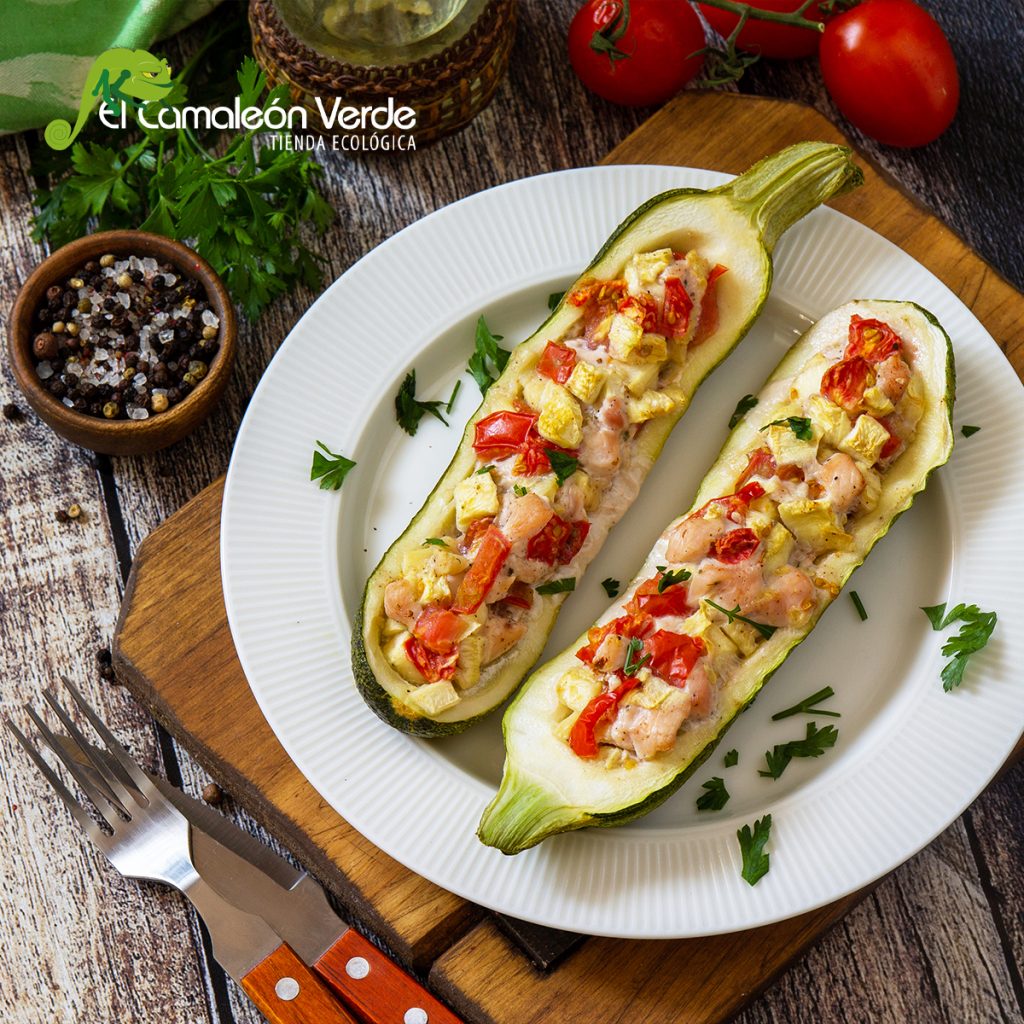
44 370
149 264
210 318
137 413
124 299
169 279
75 369
99 354
166 336
159 391
68 403
139 380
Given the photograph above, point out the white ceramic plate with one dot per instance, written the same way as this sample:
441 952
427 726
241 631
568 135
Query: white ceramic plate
294 559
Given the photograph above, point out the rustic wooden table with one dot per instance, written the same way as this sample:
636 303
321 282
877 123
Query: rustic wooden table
942 939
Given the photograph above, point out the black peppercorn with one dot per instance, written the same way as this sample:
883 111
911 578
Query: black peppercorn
12 411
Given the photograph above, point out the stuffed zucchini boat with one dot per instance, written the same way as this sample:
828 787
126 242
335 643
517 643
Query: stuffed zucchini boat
844 434
461 605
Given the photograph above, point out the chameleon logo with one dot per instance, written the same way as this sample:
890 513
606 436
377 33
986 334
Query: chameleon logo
131 77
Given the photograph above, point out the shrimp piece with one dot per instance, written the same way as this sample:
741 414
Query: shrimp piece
400 603
500 634
525 516
787 601
500 587
528 570
893 376
841 480
691 539
613 413
570 502
647 731
600 450
698 690
610 655
727 584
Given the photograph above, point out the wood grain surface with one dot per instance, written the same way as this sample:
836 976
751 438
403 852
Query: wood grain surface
940 940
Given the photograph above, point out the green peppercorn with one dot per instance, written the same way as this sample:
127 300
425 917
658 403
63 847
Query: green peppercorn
209 331
76 282
129 372
58 327
159 403
110 410
198 369
107 260
124 280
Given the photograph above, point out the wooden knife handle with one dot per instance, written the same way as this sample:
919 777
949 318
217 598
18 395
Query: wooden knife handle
375 986
286 991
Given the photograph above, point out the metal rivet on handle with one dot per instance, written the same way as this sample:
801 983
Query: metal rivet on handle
415 1015
357 967
287 989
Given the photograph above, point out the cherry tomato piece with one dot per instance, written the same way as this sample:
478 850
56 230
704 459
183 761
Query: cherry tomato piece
502 433
673 600
490 557
556 363
559 542
433 667
871 339
673 655
676 309
709 307
439 630
760 463
846 381
891 71
735 546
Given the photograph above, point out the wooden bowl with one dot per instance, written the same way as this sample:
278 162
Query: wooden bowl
121 437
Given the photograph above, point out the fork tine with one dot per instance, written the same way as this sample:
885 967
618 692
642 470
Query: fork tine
123 758
91 790
88 826
116 794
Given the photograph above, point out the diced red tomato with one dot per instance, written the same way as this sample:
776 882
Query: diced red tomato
556 363
846 381
673 655
673 600
735 546
502 433
634 624
598 290
433 667
474 531
760 463
790 471
490 557
520 596
735 505
894 444
708 323
439 630
583 737
642 309
750 492
872 340
675 310
559 541
533 456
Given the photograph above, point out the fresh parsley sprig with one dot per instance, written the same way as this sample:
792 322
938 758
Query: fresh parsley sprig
633 664
806 706
670 577
716 797
611 586
800 425
969 431
244 210
732 757
328 468
974 634
563 586
409 409
554 299
488 358
562 465
743 406
814 744
732 614
752 844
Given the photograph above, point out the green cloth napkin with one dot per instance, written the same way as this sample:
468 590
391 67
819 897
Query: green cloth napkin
48 46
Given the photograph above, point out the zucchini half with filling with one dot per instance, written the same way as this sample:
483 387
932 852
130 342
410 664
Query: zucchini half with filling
845 433
461 605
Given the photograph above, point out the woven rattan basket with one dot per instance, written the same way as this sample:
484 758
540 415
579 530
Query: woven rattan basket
447 90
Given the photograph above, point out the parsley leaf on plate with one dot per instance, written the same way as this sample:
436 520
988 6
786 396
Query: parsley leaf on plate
731 758
554 299
716 797
806 706
974 634
488 358
814 744
752 844
611 586
328 468
409 410
968 430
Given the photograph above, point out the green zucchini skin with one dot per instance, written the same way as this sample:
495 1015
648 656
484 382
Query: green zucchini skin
531 803
738 224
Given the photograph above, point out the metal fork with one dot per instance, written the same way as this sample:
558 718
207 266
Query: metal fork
150 838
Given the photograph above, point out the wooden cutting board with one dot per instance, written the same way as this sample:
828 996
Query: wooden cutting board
173 650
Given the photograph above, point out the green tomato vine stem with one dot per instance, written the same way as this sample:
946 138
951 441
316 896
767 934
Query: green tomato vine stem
795 18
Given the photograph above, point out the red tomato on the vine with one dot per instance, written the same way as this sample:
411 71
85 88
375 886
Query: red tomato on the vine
638 53
766 37
891 71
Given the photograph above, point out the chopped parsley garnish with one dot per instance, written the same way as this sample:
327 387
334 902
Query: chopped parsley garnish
519 489
967 431
800 425
974 634
633 664
409 410
806 706
743 406
485 469
752 843
733 615
455 391
814 744
438 542
716 797
670 577
488 359
554 299
859 605
558 586
328 468
562 465
611 587
732 757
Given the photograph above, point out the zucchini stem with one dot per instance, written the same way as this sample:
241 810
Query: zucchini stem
780 189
